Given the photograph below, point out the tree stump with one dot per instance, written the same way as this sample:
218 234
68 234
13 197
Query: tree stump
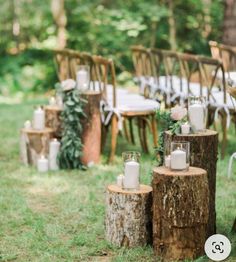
180 213
128 216
203 154
91 136
53 119
33 144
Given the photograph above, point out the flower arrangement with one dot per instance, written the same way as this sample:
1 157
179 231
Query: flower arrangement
170 121
71 145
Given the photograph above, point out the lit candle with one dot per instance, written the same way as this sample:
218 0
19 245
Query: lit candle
178 160
131 178
119 180
27 124
52 101
167 161
54 148
196 116
82 79
39 119
185 128
42 164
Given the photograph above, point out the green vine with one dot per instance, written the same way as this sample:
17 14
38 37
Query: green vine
167 124
71 145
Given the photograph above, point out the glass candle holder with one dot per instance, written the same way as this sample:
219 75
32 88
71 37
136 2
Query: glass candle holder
83 77
179 156
131 170
197 113
166 158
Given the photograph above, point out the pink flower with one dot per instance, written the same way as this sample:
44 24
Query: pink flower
68 84
178 113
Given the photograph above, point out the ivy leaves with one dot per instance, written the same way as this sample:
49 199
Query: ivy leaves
71 144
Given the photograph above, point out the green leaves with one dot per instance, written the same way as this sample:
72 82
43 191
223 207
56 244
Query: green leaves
71 144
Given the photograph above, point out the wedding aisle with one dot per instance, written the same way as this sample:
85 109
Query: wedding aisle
59 216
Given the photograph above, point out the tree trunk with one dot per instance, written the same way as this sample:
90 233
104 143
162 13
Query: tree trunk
33 144
59 15
229 24
203 154
172 27
180 213
128 216
91 136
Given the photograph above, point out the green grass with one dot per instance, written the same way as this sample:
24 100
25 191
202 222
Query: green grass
59 216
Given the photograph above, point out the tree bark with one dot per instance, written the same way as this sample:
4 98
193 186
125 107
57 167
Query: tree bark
203 154
53 120
91 136
180 213
172 27
128 216
59 15
229 23
33 144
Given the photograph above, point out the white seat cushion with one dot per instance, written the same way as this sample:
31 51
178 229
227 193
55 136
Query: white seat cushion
219 100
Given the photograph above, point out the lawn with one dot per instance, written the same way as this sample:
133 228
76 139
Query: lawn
59 216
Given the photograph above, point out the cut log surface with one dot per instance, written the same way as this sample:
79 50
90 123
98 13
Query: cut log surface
180 213
91 136
33 144
53 119
203 154
128 216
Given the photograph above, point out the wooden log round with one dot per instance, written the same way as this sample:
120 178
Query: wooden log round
91 136
203 154
128 216
33 144
53 119
180 213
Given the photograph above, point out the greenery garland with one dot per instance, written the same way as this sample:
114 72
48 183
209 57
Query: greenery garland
71 144
167 124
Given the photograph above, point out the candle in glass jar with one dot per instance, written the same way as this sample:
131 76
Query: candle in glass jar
131 178
178 160
167 161
54 148
42 164
82 79
185 129
119 180
196 116
52 101
39 119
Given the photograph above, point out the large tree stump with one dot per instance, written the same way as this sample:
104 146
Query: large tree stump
128 216
33 144
203 154
53 119
180 213
91 136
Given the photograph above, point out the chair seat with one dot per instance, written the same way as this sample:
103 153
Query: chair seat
228 75
218 100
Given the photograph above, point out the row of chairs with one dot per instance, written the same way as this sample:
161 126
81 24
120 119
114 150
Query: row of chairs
119 108
173 77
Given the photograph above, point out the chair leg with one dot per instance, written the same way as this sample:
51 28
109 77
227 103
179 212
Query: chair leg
224 138
144 135
140 127
104 137
154 130
234 226
114 132
131 131
126 131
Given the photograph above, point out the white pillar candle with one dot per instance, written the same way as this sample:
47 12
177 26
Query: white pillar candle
196 116
185 129
178 160
52 101
54 148
119 180
167 161
82 79
42 164
39 119
27 124
131 178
